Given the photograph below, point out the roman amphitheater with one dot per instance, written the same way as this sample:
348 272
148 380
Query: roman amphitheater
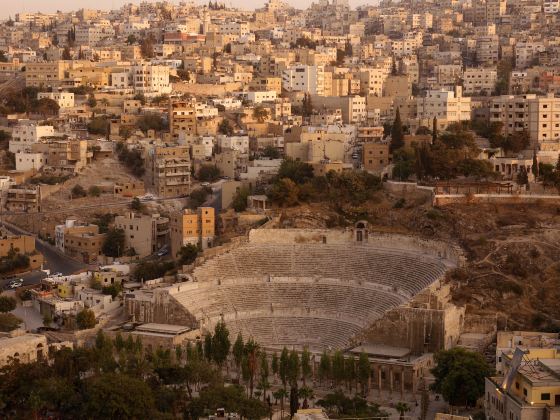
323 289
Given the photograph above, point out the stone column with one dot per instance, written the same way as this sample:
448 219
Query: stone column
391 380
402 382
379 379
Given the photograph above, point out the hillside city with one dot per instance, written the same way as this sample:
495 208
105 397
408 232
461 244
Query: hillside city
296 211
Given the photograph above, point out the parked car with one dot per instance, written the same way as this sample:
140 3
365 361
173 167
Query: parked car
14 284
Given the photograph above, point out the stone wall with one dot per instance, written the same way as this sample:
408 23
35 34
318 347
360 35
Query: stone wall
381 240
446 199
157 306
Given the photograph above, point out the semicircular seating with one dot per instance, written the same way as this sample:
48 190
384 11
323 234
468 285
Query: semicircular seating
316 295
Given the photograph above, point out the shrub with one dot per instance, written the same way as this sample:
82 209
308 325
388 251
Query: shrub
85 319
78 191
94 191
9 322
7 304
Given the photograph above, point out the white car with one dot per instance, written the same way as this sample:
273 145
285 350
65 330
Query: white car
14 284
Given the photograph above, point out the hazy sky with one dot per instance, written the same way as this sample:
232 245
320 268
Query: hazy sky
11 7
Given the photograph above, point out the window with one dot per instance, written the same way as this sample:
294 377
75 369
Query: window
545 396
525 391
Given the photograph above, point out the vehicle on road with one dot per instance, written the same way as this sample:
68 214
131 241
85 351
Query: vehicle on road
14 284
163 251
205 184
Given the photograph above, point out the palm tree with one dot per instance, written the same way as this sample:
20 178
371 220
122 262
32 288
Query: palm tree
402 408
307 394
280 395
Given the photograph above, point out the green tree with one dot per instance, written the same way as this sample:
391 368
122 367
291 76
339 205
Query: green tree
66 54
325 367
151 122
306 369
280 395
275 364
119 397
264 373
208 346
136 205
402 408
459 376
260 113
239 202
7 304
113 245
187 254
293 368
271 152
208 173
338 372
284 366
220 343
363 371
397 133
9 322
434 130
299 172
307 394
251 353
85 319
78 191
225 127
94 191
99 125
238 350
284 192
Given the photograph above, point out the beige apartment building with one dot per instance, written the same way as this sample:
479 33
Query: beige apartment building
182 118
192 227
168 170
375 157
538 115
145 234
479 80
46 74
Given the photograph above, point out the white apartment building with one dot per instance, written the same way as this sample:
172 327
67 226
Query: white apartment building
303 78
63 99
151 80
447 105
93 34
26 161
479 80
135 27
235 28
27 133
238 143
228 103
538 115
258 97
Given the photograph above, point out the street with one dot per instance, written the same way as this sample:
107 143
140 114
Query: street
55 261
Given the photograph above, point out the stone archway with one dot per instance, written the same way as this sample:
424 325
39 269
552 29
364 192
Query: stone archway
361 232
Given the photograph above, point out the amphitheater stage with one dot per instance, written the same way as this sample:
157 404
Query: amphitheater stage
381 351
311 288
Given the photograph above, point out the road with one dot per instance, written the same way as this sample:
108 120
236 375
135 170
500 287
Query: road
55 261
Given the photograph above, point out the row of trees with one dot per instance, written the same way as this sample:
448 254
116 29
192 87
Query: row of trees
296 183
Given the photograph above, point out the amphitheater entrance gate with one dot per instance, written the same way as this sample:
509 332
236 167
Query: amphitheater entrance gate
361 231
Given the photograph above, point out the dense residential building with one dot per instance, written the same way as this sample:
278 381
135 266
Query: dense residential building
192 227
168 170
145 234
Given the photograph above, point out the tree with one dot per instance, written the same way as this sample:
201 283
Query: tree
284 366
208 173
66 54
264 373
402 408
338 372
305 364
131 39
434 130
187 254
113 245
397 135
260 113
251 354
118 396
225 127
285 192
220 343
85 319
275 364
522 177
271 152
136 204
9 322
147 46
98 125
324 367
94 191
151 122
238 350
307 105
208 346
7 304
293 368
459 376
47 319
239 202
307 394
78 191
46 107
280 395
363 371
297 171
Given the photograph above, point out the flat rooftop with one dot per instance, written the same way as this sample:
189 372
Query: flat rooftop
382 351
166 329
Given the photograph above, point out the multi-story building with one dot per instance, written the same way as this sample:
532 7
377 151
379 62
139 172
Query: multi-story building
150 80
145 234
353 108
93 34
27 133
189 227
479 80
46 75
72 227
182 118
85 247
487 49
445 105
168 170
24 199
375 157
528 386
63 99
303 78
539 116
371 81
